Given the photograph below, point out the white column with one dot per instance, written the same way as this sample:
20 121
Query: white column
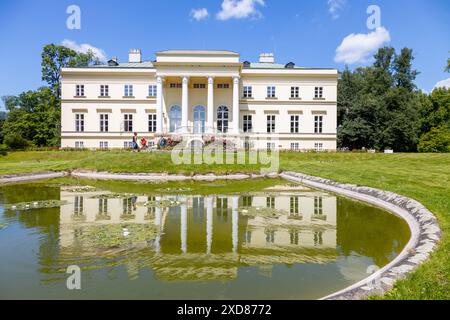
236 105
210 113
183 228
158 222
235 223
209 224
184 104
159 104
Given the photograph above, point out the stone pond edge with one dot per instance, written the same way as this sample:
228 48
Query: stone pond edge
425 234
425 231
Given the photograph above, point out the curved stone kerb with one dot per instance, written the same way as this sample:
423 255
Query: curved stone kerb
425 233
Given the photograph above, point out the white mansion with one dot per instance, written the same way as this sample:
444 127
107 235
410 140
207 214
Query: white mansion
193 93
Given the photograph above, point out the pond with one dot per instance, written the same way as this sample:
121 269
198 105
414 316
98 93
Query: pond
261 239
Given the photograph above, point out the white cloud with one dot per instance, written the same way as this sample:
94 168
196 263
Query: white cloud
239 9
335 6
84 48
444 83
357 48
199 14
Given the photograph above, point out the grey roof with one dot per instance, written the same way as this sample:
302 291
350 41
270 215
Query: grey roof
266 65
149 65
201 52
143 64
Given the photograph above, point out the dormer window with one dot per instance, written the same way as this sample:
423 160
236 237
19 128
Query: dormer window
290 65
247 64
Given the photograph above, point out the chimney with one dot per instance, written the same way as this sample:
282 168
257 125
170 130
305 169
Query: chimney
266 58
135 56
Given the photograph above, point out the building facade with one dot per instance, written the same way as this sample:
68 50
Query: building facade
197 93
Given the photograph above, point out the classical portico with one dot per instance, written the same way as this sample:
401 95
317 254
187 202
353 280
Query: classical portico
190 85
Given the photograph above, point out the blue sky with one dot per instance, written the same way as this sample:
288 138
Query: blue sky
305 32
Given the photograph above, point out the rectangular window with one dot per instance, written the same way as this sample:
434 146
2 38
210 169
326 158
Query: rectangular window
104 122
295 124
199 86
175 85
295 146
271 92
318 146
247 125
318 92
128 122
295 92
79 144
318 206
152 91
318 124
270 146
223 86
128 90
78 206
127 144
152 122
79 90
104 90
79 122
270 202
248 92
294 209
103 144
270 124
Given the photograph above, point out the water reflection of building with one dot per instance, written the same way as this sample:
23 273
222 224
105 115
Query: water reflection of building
207 238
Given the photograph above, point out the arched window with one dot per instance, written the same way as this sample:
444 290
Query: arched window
222 119
175 118
199 119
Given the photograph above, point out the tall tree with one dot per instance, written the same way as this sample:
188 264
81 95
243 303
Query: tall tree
381 106
404 73
33 116
55 57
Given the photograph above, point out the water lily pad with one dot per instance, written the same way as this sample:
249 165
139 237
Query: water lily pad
113 196
174 190
260 212
36 205
116 235
77 189
164 203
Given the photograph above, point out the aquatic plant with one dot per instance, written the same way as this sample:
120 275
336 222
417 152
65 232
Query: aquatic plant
116 235
36 205
260 212
163 203
172 190
113 196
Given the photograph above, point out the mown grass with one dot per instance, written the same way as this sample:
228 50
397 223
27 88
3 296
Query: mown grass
424 177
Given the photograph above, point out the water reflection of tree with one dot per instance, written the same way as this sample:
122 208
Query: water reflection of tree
45 221
369 231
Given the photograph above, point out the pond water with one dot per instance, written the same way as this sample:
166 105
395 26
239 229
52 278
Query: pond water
266 239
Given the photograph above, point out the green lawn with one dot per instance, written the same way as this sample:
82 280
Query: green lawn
424 177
